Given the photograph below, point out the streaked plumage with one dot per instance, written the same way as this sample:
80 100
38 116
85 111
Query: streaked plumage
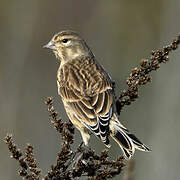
87 93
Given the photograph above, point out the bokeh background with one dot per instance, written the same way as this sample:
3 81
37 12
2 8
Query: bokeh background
120 33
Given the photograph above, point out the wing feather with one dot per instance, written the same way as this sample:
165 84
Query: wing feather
94 99
87 103
86 110
108 99
100 102
88 95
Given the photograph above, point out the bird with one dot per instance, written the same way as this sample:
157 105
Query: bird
87 92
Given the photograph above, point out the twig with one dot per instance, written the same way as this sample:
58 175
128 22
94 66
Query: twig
27 163
88 163
140 75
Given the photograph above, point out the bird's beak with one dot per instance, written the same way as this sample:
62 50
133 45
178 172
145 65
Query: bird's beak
50 45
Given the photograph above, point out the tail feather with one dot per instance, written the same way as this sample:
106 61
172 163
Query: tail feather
124 140
125 143
128 154
138 144
128 142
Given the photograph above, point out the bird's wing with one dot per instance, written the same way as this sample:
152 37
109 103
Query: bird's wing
87 89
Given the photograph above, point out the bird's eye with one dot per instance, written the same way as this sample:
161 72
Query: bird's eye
65 40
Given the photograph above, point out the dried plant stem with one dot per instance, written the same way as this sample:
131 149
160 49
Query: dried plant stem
27 163
140 75
88 163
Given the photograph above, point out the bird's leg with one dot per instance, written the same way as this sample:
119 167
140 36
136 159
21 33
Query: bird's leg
84 151
75 153
80 149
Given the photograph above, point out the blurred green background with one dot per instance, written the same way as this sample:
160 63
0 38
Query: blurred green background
120 33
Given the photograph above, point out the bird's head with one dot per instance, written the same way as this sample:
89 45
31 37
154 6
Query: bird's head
68 45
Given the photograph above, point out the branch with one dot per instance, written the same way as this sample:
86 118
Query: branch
28 165
70 164
87 163
140 75
82 161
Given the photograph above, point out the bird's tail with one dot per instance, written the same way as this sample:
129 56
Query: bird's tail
128 142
